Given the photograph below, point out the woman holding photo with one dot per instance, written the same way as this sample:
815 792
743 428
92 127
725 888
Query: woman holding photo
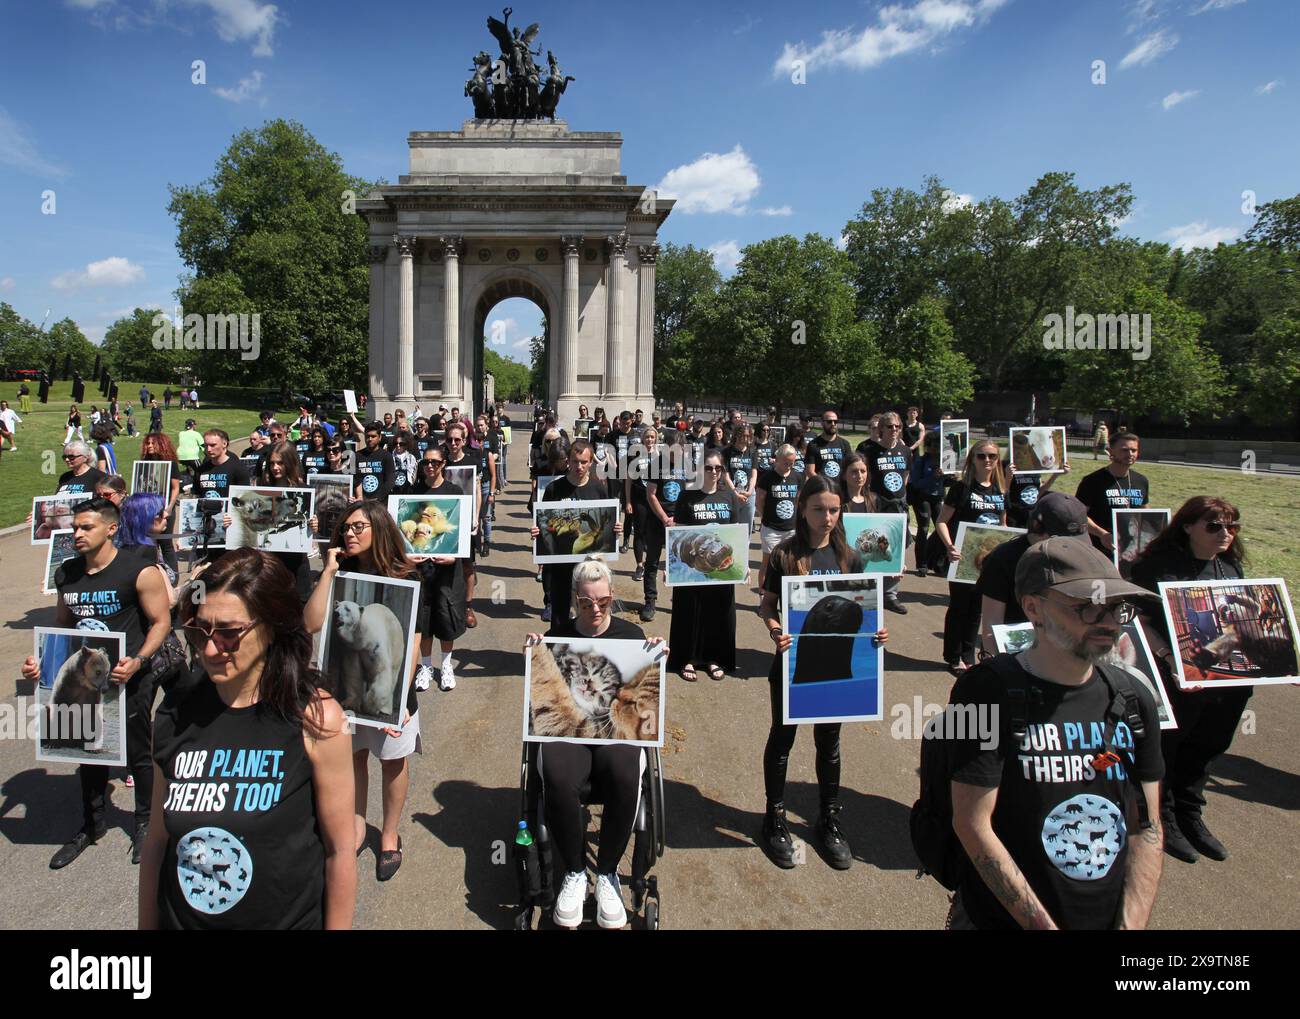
290 864
704 618
158 446
978 498
854 488
1201 542
444 588
367 541
567 767
816 547
281 469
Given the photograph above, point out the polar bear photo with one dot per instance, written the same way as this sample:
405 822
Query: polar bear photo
367 654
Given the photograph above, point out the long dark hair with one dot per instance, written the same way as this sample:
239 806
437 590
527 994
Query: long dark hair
289 684
1194 510
387 551
287 454
867 494
796 552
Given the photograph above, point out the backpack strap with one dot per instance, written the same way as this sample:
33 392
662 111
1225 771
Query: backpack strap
1016 696
1124 706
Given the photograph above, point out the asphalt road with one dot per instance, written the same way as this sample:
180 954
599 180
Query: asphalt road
464 798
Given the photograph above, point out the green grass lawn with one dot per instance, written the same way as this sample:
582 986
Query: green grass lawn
35 468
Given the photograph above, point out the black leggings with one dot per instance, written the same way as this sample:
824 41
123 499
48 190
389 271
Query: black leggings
961 624
616 772
776 755
654 535
138 728
1207 722
927 509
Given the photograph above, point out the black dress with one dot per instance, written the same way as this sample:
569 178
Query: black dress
443 588
704 618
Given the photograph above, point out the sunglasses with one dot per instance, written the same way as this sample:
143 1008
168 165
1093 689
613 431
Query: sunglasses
69 457
1092 613
986 456
432 464
1215 526
226 638
587 604
713 469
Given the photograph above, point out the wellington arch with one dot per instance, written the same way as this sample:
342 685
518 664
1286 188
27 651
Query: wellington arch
502 209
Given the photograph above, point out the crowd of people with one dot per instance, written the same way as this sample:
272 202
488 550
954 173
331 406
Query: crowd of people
247 687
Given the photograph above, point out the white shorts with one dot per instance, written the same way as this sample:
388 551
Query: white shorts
770 537
386 747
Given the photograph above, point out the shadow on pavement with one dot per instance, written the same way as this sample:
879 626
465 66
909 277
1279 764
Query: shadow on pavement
52 807
1260 783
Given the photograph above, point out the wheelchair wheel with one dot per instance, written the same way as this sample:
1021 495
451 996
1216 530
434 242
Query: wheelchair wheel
652 914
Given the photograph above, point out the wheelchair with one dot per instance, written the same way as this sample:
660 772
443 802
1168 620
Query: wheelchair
534 864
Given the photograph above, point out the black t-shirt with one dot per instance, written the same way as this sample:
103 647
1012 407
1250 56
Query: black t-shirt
1102 492
695 507
1064 824
563 488
911 433
738 465
619 629
216 479
1026 490
107 599
830 454
244 850
314 463
764 452
375 474
74 484
976 504
1173 564
887 470
998 577
476 458
781 500
669 489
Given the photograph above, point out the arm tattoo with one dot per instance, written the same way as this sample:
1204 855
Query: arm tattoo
1015 896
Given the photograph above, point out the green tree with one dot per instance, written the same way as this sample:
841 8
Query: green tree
919 363
269 234
130 353
1277 225
1272 377
511 378
684 276
22 345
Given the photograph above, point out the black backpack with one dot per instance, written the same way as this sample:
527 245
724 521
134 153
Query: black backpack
937 846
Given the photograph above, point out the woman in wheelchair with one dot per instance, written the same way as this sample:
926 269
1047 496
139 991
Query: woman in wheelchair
567 767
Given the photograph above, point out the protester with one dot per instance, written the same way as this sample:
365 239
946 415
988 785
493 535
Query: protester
80 477
258 695
817 547
741 472
914 432
925 483
636 507
376 473
828 449
458 453
443 594
281 469
777 495
890 463
1013 798
487 477
1026 488
671 469
1115 486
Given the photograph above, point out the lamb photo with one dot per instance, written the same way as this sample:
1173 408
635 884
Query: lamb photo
834 672
880 538
201 523
333 496
1134 529
954 438
270 519
975 542
151 476
433 525
594 691
80 710
61 548
52 513
1038 450
1232 632
573 529
705 554
367 644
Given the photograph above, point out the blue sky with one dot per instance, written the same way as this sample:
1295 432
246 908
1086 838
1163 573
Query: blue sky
1200 104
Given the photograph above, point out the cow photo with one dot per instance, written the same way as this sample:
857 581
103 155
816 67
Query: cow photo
1038 450
367 646
80 710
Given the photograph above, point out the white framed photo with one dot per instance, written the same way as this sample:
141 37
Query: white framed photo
702 555
61 548
151 476
433 525
333 496
270 519
975 542
81 712
954 440
192 522
1134 530
572 529
52 513
1039 450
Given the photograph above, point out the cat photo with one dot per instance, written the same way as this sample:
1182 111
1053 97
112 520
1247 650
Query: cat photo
594 691
80 710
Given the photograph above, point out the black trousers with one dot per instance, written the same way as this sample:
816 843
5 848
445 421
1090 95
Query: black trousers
613 770
558 580
780 740
654 537
927 515
1207 722
138 728
961 624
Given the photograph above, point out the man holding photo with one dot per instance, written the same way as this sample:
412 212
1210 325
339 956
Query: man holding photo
1115 486
889 462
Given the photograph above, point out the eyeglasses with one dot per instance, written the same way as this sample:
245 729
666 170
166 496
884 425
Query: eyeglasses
226 638
356 527
587 604
712 469
1215 526
1092 613
333 450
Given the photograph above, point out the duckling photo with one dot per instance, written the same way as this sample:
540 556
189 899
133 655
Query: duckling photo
433 525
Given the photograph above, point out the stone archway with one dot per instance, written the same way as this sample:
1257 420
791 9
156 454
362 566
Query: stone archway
496 287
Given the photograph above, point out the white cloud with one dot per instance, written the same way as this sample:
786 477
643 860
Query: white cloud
716 182
109 272
1152 47
1200 235
1217 5
1268 87
19 151
843 242
248 87
500 331
726 256
899 30
1142 12
1174 98
955 201
780 210
6 284
242 20
525 344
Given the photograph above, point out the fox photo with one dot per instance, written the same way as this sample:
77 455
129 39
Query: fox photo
270 519
573 529
833 670
1232 632
703 554
975 542
433 525
1038 450
594 691
366 646
79 707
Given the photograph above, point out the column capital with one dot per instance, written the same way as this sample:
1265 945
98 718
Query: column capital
616 245
648 253
572 244
452 245
377 252
405 244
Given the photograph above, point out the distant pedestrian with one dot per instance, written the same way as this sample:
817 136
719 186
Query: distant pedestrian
167 398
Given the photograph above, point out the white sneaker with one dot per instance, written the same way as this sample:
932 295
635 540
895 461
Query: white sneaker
568 904
446 677
423 678
610 912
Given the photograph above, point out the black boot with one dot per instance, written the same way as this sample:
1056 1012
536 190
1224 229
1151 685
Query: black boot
80 842
137 843
1176 844
1194 830
834 843
776 840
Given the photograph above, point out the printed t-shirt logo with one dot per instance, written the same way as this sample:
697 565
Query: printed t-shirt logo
893 481
672 489
832 468
1029 495
213 868
370 483
1083 835
784 509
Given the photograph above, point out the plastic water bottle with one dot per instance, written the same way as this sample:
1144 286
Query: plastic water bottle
523 838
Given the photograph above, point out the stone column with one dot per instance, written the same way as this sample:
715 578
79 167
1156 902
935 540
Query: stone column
645 329
405 318
451 247
568 351
378 256
615 385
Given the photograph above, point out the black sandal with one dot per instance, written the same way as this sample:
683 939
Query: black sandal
389 861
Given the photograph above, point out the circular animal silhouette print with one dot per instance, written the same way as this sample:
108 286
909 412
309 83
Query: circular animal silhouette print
213 868
1083 835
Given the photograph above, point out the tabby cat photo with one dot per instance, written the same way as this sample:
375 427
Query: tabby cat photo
593 691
